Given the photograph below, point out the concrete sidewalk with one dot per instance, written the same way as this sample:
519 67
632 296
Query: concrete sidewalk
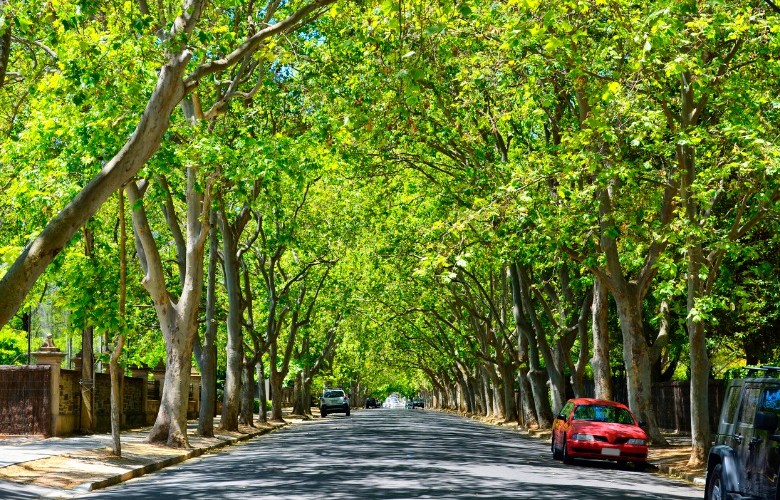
66 467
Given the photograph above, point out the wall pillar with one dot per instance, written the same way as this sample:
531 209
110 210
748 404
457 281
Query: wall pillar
49 354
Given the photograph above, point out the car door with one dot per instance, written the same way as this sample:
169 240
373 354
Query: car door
561 424
763 461
743 437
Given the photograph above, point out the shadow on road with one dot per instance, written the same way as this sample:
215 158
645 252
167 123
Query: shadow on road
397 454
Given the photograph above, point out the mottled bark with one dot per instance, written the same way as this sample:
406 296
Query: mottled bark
177 318
206 351
636 358
115 370
262 417
277 380
247 394
507 390
527 411
536 376
231 401
602 373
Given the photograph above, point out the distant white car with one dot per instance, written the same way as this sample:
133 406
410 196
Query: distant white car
394 401
334 401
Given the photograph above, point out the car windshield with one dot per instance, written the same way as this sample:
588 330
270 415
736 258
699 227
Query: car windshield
603 413
333 394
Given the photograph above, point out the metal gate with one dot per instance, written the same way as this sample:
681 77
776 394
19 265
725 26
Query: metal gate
25 406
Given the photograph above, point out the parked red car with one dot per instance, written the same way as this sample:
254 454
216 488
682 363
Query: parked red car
597 429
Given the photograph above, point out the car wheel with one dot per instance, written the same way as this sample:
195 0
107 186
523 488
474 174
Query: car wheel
347 411
715 488
566 458
323 413
640 466
555 452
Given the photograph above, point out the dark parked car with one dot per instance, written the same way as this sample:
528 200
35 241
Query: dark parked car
745 460
415 403
597 429
372 403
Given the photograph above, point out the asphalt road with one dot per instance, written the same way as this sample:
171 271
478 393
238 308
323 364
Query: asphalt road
385 453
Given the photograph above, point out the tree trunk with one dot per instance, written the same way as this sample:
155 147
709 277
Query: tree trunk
87 423
700 363
235 342
262 417
527 410
178 320
170 427
507 386
307 396
116 397
277 381
300 405
499 403
248 394
486 393
88 378
537 339
602 373
536 376
207 355
636 358
114 368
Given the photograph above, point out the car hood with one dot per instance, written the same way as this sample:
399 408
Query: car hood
608 430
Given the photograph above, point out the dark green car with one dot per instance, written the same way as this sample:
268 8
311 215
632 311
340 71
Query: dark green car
745 460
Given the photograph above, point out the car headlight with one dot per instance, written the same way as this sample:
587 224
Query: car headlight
636 442
582 437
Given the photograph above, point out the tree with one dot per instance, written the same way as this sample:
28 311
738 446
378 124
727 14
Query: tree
173 84
177 315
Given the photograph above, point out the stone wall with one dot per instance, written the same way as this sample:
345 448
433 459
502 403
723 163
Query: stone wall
46 400
134 405
70 402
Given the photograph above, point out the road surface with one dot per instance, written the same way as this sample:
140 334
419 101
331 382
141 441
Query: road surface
396 453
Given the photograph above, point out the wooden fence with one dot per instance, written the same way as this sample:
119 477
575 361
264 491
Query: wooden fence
672 401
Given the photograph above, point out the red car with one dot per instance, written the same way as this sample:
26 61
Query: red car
598 429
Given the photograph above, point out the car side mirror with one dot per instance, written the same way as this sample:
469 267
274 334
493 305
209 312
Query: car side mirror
560 416
766 421
642 424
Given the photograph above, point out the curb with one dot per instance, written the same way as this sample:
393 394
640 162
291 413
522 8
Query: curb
687 476
167 462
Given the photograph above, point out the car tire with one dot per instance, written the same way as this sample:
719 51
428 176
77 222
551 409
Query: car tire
640 466
715 486
565 453
347 412
323 413
555 453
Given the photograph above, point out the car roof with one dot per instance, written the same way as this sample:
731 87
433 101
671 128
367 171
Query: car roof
594 401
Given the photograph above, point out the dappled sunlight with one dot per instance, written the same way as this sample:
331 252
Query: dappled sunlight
396 454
